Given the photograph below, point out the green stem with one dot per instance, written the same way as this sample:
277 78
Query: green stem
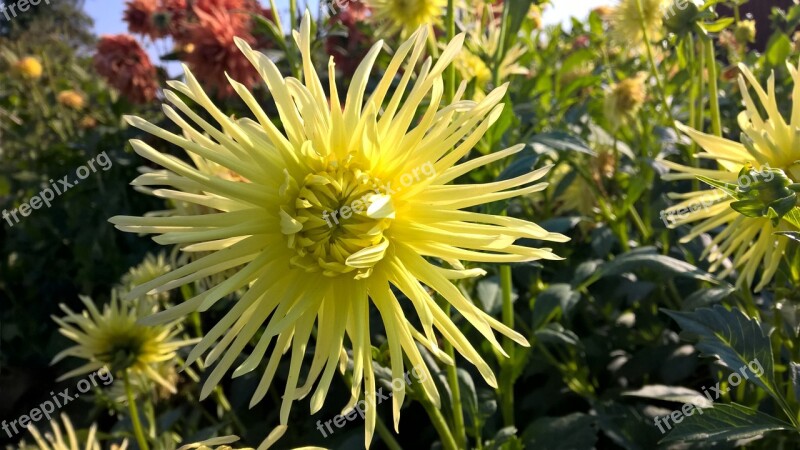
386 436
278 22
711 64
450 73
459 430
500 53
507 367
695 91
226 406
438 422
292 13
653 68
137 425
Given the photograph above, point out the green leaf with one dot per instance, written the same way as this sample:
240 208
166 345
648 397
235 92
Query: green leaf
678 394
779 48
730 189
517 12
645 258
795 373
718 25
724 422
734 338
562 141
575 431
556 298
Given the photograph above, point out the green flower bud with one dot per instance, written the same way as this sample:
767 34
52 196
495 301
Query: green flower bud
745 31
681 15
765 193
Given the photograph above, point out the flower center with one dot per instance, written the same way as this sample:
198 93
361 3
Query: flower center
335 219
123 347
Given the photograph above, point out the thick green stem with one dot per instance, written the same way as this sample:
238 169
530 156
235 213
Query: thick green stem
653 68
386 435
507 368
438 422
137 424
292 14
713 95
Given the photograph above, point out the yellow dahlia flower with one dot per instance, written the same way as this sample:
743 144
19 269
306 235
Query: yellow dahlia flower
768 141
626 20
115 339
483 39
55 440
29 67
149 269
342 205
405 16
624 100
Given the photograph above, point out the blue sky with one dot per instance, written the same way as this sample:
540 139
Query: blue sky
107 14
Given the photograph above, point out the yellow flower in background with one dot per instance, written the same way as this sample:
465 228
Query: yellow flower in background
55 440
483 40
470 66
624 100
331 216
768 141
626 21
149 269
113 338
87 122
70 99
604 11
405 16
29 67
745 31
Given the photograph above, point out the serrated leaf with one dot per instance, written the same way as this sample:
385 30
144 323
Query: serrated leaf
725 422
734 338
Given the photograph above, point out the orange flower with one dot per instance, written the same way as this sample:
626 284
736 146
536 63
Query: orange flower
215 52
125 66
139 17
70 99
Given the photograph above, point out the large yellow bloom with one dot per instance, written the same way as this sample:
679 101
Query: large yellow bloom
766 142
405 16
113 338
55 440
626 20
337 209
